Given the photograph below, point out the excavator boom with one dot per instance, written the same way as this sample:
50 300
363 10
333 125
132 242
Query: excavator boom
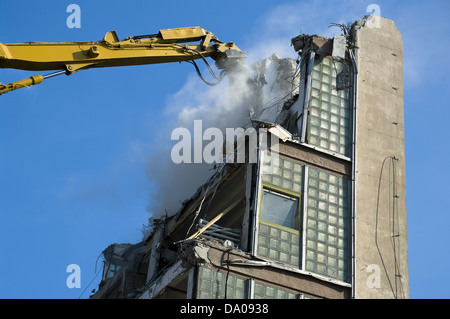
169 45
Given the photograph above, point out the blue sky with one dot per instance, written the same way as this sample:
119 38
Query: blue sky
78 154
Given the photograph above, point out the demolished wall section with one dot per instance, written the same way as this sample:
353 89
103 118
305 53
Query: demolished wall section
279 78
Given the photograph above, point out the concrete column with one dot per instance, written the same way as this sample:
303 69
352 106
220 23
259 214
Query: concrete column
381 259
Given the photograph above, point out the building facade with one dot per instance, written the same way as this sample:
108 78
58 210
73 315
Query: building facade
321 213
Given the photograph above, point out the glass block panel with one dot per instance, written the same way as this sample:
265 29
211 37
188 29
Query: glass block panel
263 291
279 244
281 172
328 229
212 283
278 236
329 109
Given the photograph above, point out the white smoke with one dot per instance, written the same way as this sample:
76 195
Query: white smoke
195 101
219 106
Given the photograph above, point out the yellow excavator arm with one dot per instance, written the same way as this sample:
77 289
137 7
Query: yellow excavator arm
170 45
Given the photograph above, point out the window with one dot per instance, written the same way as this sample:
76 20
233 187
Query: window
280 209
279 222
278 236
112 270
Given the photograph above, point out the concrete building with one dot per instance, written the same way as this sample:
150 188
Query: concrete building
321 213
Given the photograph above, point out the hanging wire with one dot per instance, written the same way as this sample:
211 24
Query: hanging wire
280 100
397 274
204 60
218 171
211 71
97 271
200 206
211 199
95 276
395 221
228 271
219 79
345 29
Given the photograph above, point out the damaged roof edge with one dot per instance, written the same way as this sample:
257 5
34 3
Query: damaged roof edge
321 43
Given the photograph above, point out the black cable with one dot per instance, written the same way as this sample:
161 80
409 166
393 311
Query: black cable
211 180
228 272
211 71
210 200
394 207
394 192
395 221
280 100
219 79
101 254
96 274
376 226
206 62
98 271
342 26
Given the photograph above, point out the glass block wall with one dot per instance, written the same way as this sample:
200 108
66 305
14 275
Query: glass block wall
262 291
279 244
282 172
211 285
276 242
327 225
329 119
